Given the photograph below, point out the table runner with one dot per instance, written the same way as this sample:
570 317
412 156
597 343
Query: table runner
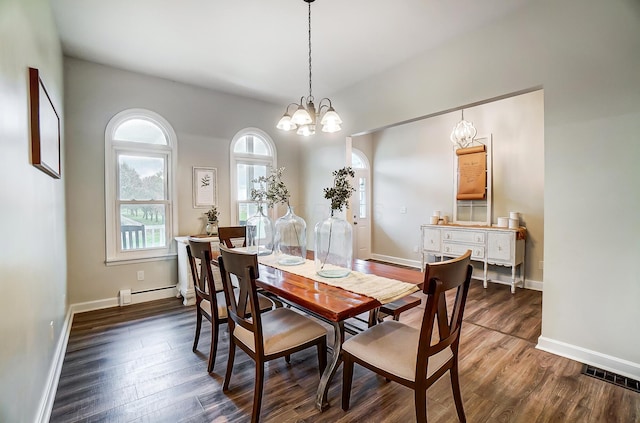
383 289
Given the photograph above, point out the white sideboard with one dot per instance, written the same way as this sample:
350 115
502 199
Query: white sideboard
185 280
489 245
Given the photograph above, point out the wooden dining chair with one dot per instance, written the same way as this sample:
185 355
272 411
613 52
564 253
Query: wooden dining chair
226 235
267 336
414 357
210 301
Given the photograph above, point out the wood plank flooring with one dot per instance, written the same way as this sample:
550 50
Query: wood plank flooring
134 364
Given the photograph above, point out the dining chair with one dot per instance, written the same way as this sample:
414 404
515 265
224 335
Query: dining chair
417 357
230 237
265 336
210 301
226 235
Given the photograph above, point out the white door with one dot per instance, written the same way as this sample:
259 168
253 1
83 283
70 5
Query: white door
361 208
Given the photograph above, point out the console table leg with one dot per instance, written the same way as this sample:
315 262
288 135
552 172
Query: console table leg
513 279
322 403
484 278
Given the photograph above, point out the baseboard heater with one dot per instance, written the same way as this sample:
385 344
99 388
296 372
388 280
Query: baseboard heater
127 297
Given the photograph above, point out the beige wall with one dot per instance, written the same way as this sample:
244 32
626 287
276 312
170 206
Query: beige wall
585 56
33 259
413 168
204 121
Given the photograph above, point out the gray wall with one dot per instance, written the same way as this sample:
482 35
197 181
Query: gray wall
585 56
204 121
33 258
413 167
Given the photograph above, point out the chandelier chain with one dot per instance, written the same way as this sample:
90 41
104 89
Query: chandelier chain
310 95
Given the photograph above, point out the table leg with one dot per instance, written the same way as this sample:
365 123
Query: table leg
322 403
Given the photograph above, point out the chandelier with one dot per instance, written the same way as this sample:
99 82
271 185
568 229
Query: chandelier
463 133
306 114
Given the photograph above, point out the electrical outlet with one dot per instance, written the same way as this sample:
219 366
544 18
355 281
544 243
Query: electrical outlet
403 210
541 265
140 275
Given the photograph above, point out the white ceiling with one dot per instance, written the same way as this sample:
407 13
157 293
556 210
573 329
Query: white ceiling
258 48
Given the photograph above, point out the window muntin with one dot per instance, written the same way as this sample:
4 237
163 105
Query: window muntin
252 154
139 175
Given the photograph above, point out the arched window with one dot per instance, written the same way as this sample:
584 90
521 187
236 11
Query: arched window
252 154
140 162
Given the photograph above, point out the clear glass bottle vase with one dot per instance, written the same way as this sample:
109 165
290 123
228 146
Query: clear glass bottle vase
290 243
333 247
212 227
260 233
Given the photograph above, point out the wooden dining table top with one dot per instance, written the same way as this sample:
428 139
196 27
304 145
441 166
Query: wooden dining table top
330 302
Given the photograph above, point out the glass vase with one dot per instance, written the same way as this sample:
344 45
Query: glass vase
212 227
333 247
290 241
260 234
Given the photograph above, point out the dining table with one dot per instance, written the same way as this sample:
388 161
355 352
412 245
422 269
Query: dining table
330 303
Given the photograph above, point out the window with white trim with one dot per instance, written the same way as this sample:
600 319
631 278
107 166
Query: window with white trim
253 153
140 168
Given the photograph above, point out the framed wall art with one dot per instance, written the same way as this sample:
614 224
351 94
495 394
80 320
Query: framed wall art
45 127
205 187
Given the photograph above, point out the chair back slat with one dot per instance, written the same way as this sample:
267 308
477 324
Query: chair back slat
439 279
226 235
244 306
195 252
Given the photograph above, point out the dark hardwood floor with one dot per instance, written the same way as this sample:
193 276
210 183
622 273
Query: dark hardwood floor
134 364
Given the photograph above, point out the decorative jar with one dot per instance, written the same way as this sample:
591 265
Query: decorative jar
290 241
333 247
260 233
212 227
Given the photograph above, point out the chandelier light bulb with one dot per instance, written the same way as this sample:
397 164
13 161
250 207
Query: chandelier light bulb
285 123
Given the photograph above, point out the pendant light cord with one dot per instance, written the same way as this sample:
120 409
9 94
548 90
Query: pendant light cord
310 95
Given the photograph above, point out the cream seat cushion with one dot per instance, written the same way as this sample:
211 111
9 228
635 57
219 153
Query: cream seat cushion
282 329
393 347
265 304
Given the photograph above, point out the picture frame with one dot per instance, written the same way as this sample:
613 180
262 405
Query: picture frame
45 127
205 187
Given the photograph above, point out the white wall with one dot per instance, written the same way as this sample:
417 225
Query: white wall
33 268
585 56
204 121
413 168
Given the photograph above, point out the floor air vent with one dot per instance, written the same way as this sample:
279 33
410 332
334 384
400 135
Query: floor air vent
616 379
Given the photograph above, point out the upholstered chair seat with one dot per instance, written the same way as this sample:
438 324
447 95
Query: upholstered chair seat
282 329
393 347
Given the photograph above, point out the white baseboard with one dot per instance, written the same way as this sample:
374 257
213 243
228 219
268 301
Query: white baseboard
51 385
49 395
397 260
593 358
136 298
492 276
